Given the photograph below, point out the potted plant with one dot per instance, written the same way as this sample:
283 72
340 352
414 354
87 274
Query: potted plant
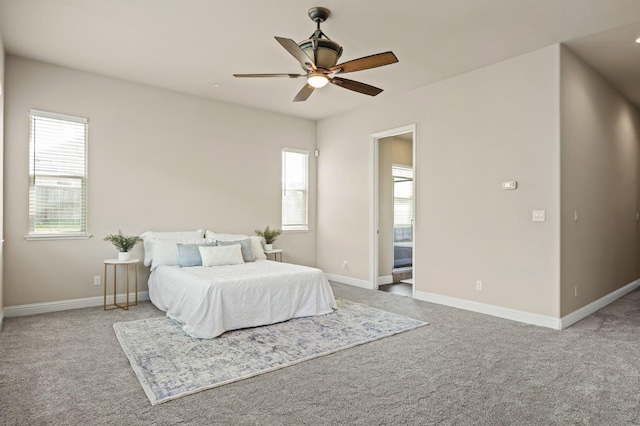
123 243
269 235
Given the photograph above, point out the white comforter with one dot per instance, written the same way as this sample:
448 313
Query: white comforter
212 300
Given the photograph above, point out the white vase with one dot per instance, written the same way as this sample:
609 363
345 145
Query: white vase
124 255
268 247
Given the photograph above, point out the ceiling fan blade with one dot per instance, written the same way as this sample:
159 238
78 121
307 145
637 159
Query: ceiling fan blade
356 86
293 48
367 62
270 75
304 93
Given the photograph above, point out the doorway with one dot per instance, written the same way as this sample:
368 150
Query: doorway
393 233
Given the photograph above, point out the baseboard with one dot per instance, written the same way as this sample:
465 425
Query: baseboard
64 305
387 279
1 318
527 317
348 280
496 311
592 307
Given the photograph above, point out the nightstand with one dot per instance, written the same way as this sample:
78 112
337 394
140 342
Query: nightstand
115 263
277 254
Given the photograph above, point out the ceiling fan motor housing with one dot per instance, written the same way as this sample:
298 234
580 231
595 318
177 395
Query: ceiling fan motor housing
323 52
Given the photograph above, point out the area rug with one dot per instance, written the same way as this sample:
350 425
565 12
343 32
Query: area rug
171 364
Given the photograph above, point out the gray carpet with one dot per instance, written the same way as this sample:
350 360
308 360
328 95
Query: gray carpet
464 369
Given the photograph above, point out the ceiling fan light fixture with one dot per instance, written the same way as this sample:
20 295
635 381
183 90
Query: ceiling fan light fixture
317 80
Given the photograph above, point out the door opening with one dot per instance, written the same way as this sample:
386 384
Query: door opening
393 222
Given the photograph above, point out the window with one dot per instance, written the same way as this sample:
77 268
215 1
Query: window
402 203
57 175
295 188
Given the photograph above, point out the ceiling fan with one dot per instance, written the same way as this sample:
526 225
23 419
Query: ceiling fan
318 56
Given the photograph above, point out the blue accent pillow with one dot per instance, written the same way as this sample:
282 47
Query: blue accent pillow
189 254
245 248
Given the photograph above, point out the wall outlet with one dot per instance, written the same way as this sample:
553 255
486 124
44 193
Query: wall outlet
538 215
96 280
478 285
575 291
345 264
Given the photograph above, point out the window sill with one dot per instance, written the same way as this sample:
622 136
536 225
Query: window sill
48 237
295 231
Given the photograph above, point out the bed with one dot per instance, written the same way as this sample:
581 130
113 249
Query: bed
402 254
209 300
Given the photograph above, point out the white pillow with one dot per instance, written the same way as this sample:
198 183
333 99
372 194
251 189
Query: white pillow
165 252
221 255
256 247
177 236
212 236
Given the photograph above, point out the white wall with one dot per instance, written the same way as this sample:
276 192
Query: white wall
158 160
163 160
474 131
600 136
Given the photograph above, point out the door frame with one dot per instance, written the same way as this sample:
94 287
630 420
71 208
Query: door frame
374 213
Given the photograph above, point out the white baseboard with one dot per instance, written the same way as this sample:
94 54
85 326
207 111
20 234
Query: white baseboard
496 311
528 317
387 279
594 306
348 280
63 305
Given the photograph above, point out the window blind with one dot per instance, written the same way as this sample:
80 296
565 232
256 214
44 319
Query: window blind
57 174
295 188
402 196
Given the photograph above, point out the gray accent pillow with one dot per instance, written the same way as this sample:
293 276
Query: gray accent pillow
189 254
245 247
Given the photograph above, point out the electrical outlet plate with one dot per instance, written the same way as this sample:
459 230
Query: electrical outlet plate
96 280
478 285
510 185
538 216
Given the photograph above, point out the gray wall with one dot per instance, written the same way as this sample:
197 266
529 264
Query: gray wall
158 160
599 180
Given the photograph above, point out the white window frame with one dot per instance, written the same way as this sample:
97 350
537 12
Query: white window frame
34 234
304 225
397 171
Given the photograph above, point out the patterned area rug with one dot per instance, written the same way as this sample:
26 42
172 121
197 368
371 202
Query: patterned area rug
171 364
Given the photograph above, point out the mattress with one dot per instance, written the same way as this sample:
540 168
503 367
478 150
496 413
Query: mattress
212 300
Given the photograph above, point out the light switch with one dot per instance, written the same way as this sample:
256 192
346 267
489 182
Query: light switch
512 184
538 216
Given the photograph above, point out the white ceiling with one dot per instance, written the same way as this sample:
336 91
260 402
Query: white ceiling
190 45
